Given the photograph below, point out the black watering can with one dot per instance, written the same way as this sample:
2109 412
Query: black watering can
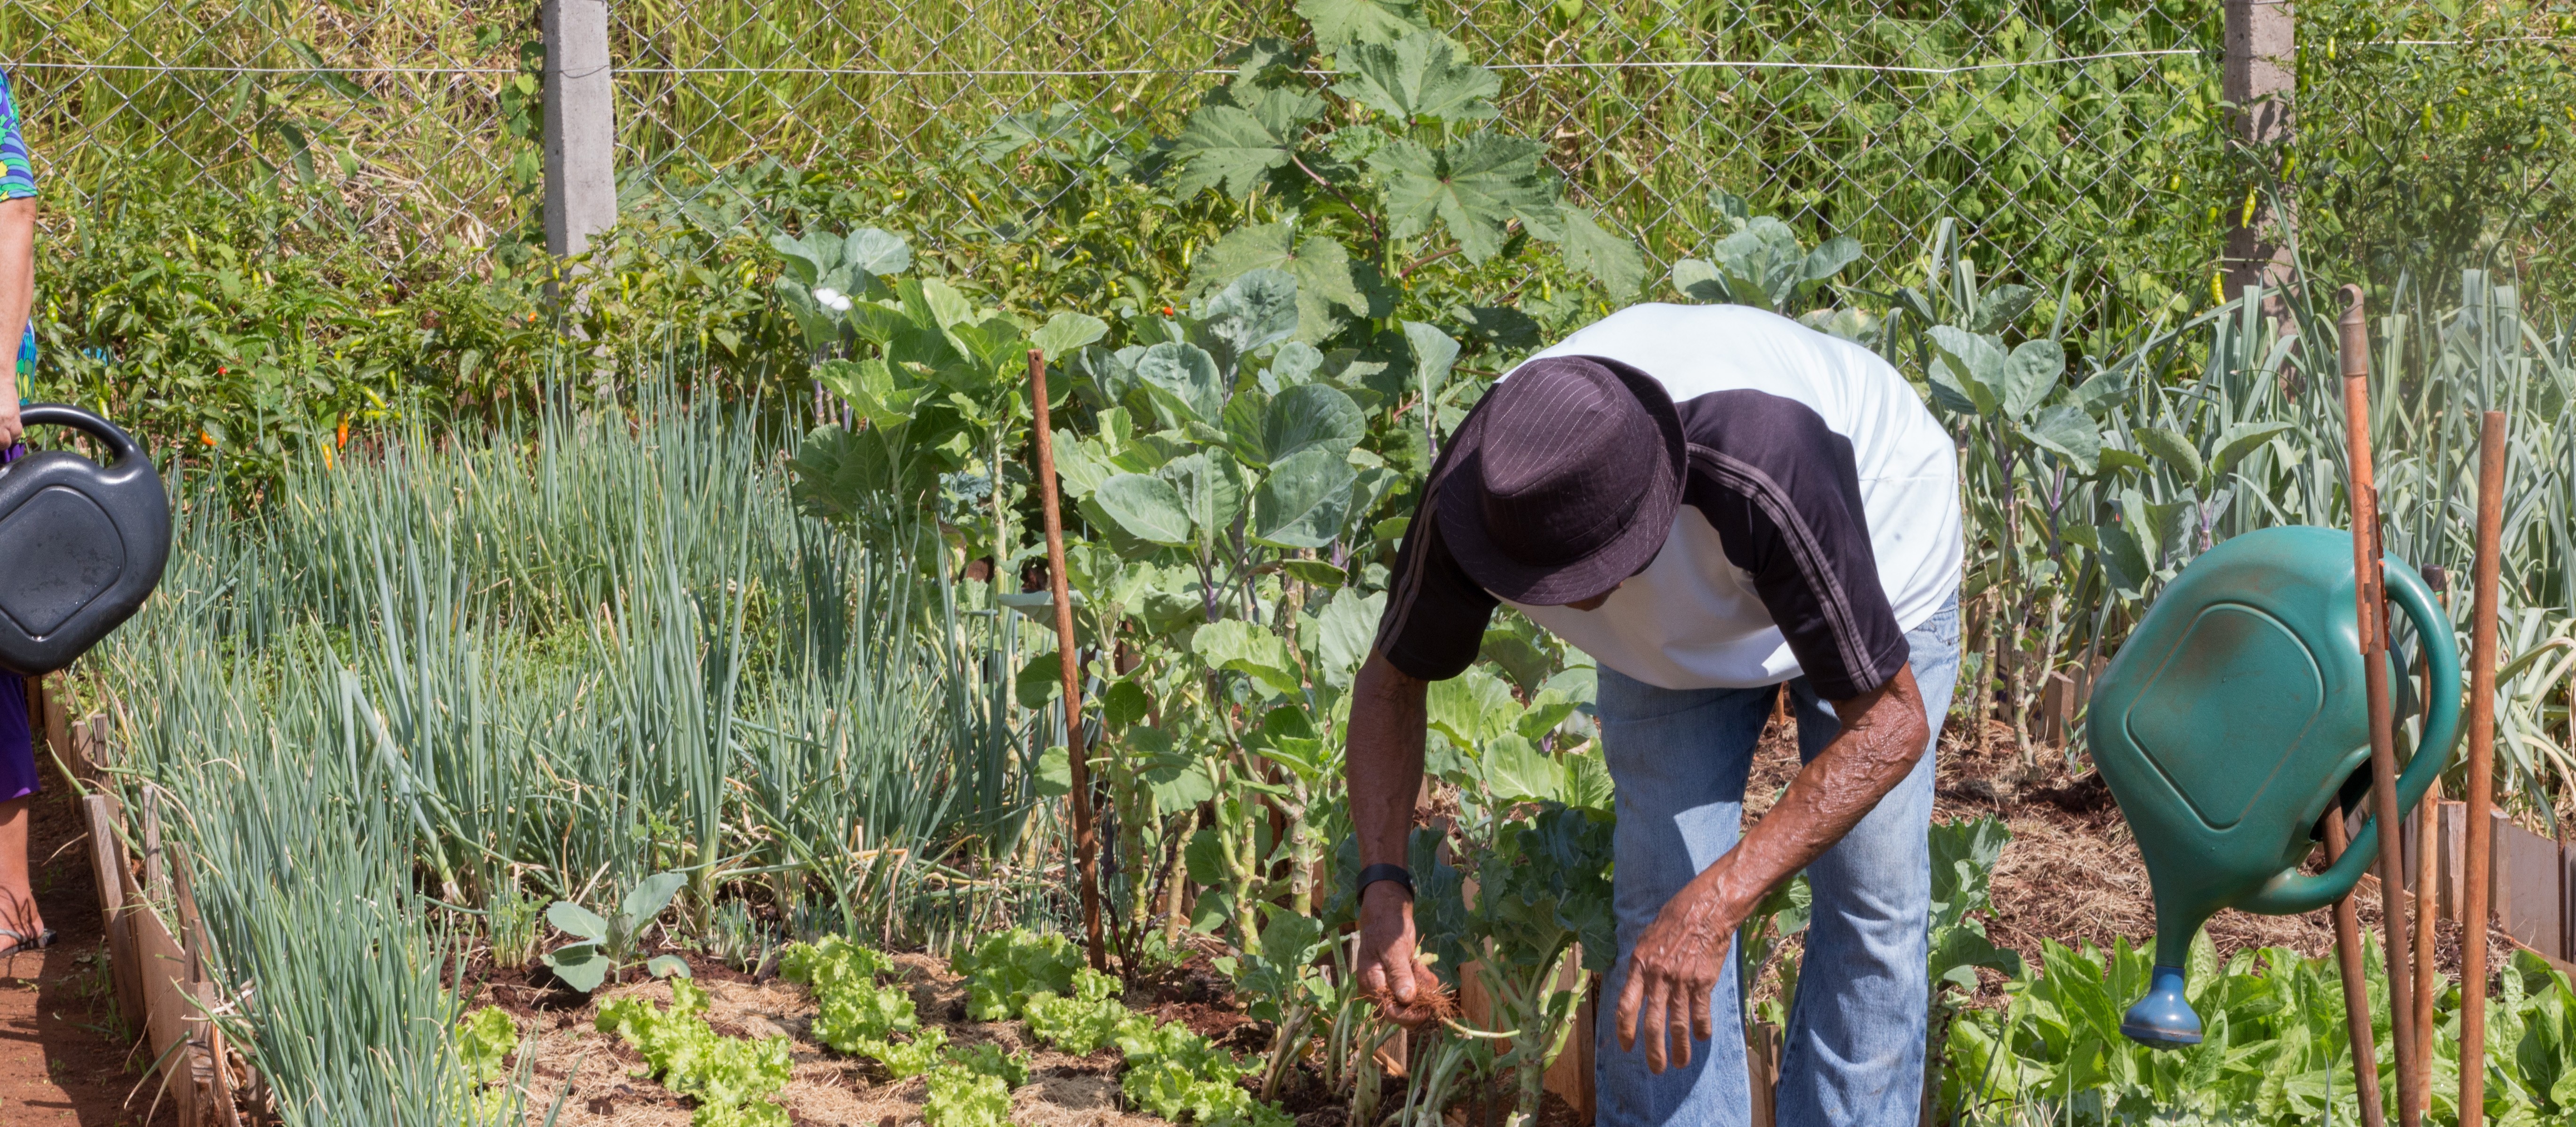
81 544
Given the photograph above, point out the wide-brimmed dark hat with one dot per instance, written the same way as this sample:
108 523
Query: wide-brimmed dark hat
1563 481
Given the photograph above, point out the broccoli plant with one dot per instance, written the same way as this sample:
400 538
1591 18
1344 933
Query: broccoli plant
1759 263
1533 833
1282 984
602 945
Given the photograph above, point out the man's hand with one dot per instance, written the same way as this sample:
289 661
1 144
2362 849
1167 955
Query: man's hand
1678 959
1384 769
1391 963
1674 968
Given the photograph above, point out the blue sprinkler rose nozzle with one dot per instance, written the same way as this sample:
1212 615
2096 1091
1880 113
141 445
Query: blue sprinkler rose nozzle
2162 1018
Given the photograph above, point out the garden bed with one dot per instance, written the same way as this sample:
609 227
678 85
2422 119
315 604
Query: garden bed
594 1072
597 1077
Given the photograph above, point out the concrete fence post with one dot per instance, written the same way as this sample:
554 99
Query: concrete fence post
581 125
2261 79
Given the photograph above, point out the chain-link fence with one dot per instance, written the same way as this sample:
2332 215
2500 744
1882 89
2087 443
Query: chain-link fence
2052 130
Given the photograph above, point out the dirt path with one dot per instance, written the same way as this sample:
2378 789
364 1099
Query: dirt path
63 1051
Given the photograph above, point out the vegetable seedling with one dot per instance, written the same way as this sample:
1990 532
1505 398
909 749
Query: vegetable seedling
601 946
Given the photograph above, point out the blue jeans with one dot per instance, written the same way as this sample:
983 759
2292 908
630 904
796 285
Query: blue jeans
1854 1048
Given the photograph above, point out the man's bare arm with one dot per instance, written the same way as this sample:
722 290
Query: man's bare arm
1677 960
1384 768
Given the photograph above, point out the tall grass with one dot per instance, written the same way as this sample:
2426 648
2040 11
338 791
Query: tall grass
408 159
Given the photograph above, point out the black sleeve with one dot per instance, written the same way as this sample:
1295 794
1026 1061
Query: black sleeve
1783 491
1435 615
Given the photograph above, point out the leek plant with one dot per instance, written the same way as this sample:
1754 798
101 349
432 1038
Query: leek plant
398 700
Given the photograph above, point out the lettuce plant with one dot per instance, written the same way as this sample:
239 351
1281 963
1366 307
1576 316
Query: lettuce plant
732 1078
853 1013
1005 969
961 1096
484 1040
1083 1022
1173 1072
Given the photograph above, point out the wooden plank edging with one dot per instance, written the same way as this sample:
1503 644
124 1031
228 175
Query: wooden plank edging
161 984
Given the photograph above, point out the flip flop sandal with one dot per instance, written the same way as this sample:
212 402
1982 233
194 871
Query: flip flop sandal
42 940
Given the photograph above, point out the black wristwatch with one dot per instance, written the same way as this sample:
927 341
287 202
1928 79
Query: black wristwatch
1375 873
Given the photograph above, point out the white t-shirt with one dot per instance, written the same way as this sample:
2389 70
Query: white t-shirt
1821 496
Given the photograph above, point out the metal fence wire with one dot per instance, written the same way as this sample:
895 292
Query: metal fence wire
2043 126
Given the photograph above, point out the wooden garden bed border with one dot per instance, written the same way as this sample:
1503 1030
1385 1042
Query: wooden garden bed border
161 978
160 973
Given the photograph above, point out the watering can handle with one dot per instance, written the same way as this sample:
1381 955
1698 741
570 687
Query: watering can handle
2292 891
119 443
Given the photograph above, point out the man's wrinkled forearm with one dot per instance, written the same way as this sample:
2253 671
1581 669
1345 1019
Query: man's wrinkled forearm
1384 764
1884 734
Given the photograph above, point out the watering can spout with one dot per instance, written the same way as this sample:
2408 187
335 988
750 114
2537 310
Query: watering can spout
2230 721
2163 1018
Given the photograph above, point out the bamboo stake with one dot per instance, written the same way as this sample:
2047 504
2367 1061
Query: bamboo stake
2481 840
2370 599
2356 987
2428 978
1086 845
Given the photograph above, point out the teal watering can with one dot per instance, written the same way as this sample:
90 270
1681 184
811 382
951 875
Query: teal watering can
2229 721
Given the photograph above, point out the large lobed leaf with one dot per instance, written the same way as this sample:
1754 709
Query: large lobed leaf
1235 148
1146 507
1256 310
1328 294
1340 23
1248 649
1303 502
1417 77
1471 187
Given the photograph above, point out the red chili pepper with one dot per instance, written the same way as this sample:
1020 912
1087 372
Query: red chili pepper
1167 311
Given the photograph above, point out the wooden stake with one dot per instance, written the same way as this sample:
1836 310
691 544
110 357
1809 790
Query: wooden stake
2371 608
2481 835
1086 843
2428 978
2356 987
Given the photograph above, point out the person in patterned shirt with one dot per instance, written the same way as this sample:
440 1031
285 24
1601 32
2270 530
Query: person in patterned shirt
22 927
